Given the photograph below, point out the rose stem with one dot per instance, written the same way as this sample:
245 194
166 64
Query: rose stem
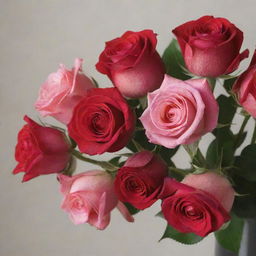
179 171
254 134
105 165
241 131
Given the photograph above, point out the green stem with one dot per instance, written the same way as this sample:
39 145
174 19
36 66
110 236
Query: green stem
200 158
241 131
178 171
103 164
137 145
254 135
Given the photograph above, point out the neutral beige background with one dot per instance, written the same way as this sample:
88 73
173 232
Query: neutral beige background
34 37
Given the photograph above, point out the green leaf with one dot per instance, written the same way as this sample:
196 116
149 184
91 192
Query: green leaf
166 154
243 186
227 109
230 238
221 150
245 206
131 209
228 84
184 238
142 140
174 62
95 82
213 156
246 163
115 160
241 140
133 102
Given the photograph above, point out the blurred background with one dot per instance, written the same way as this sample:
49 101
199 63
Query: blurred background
35 36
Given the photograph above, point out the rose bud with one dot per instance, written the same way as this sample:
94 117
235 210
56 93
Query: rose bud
210 46
89 197
139 181
132 63
62 91
200 204
40 150
102 122
245 88
180 112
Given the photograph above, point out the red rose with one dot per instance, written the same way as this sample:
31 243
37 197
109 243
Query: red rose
210 46
102 122
245 88
40 150
132 63
200 204
139 181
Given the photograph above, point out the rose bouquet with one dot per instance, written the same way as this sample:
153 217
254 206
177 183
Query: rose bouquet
156 106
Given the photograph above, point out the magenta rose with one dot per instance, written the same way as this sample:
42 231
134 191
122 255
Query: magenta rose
139 181
245 90
180 112
210 46
200 204
132 63
62 91
89 197
40 150
102 122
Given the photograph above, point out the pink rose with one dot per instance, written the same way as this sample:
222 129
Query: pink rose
40 150
180 112
140 180
245 88
89 197
200 204
132 63
62 91
210 46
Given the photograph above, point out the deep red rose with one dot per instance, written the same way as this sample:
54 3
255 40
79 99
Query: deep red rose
132 63
245 88
200 204
40 150
140 180
210 46
102 122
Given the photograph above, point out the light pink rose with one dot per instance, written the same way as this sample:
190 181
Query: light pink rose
180 112
62 91
89 197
